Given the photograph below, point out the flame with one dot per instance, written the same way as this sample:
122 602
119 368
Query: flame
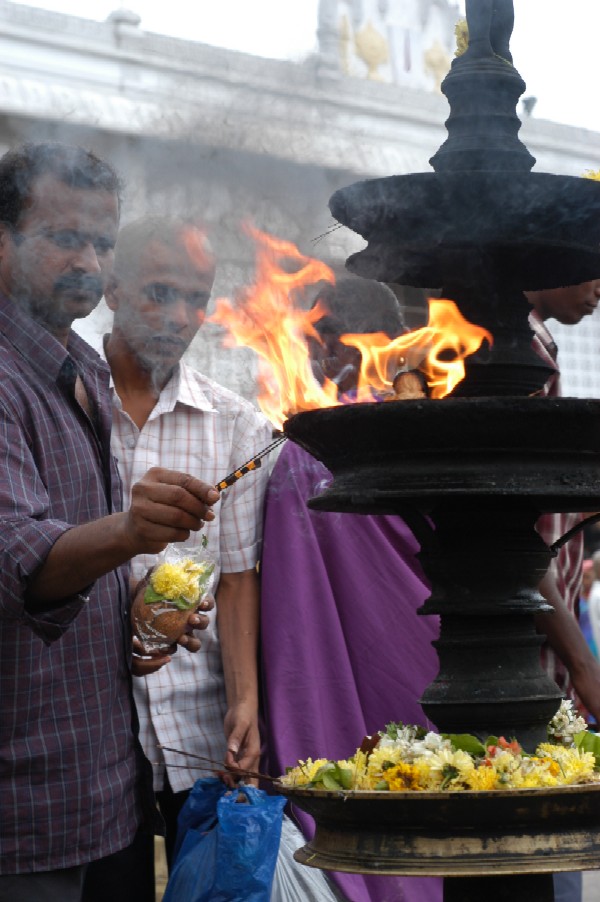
438 350
268 318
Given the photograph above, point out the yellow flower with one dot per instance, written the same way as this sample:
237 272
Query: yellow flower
169 580
574 765
180 580
358 766
402 777
450 769
380 760
303 773
461 31
593 174
482 778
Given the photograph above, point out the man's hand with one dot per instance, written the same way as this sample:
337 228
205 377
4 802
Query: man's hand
166 506
145 663
243 743
586 681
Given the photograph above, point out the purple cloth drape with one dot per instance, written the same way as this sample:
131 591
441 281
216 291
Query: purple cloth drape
343 649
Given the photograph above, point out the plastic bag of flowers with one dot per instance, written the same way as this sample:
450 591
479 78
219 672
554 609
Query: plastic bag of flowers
174 588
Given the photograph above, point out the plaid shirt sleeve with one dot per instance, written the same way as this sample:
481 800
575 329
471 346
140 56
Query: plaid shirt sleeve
26 536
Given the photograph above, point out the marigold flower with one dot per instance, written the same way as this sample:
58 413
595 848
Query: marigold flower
403 777
181 580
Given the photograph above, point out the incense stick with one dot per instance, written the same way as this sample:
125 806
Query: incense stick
253 464
220 765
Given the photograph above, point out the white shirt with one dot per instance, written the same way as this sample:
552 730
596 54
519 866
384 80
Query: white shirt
201 428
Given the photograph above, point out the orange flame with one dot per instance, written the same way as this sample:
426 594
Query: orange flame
268 319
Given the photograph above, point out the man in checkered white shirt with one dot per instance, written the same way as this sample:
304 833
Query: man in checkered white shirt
166 413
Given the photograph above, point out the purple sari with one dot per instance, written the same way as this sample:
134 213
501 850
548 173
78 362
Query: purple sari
343 649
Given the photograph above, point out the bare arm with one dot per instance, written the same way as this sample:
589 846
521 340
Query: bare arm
165 507
238 623
567 640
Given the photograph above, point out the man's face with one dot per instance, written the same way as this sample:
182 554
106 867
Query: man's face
567 305
160 303
335 361
56 262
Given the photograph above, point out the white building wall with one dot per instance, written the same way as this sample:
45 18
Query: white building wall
227 137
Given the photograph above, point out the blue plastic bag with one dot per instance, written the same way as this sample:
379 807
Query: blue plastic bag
229 850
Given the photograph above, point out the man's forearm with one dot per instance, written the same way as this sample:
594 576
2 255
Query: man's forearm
237 601
562 630
78 558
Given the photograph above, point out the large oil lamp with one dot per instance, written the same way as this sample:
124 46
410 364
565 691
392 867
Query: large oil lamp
481 465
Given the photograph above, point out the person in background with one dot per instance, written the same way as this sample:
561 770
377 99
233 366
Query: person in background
585 622
168 414
593 600
73 779
567 656
343 649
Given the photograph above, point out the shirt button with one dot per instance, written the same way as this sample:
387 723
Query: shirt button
131 442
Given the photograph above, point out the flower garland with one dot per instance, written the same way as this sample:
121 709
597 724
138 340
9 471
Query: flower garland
406 758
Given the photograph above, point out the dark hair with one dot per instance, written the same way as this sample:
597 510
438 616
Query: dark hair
75 166
359 306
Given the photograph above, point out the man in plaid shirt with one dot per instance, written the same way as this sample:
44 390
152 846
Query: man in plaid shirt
166 413
72 775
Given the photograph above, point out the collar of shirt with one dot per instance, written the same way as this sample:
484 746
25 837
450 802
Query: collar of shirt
182 388
44 353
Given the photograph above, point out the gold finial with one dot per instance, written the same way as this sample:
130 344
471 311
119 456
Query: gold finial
372 49
437 63
461 31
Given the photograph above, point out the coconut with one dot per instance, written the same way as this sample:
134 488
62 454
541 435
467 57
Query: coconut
158 625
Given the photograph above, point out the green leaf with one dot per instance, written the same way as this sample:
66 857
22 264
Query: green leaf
206 575
464 742
588 742
150 596
329 782
381 786
183 604
345 777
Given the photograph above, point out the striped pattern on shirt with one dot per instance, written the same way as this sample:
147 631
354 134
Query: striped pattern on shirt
68 767
196 427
